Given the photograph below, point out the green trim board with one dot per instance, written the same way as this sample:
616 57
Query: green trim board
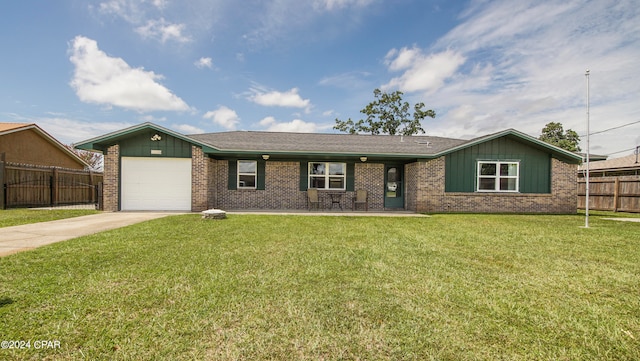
101 143
350 176
153 143
232 176
556 152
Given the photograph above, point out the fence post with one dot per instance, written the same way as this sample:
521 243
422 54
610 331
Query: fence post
616 193
92 188
3 182
54 186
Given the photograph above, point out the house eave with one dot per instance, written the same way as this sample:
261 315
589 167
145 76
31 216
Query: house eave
101 143
554 150
281 155
53 141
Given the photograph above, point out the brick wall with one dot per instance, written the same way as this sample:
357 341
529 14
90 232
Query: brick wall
111 179
199 180
370 176
212 190
282 188
431 196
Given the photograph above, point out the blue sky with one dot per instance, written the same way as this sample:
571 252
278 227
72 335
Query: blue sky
82 68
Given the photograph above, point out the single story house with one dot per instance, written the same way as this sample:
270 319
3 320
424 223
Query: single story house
27 143
149 167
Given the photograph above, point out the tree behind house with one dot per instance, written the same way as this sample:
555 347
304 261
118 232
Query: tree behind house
388 114
553 133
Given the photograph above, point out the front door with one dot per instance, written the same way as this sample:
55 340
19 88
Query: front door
393 186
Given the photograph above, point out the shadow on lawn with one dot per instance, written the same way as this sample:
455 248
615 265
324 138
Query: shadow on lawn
5 301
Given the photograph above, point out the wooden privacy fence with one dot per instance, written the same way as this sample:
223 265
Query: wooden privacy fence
618 194
36 186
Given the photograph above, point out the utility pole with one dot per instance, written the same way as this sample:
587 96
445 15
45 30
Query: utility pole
586 218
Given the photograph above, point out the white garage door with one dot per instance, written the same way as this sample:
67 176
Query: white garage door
156 184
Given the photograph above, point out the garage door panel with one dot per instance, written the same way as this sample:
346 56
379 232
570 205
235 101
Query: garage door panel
156 183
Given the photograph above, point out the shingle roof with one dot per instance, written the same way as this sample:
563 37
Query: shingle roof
11 126
326 143
628 162
313 144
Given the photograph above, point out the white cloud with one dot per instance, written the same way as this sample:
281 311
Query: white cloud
522 64
163 31
204 63
296 125
125 9
422 72
152 118
290 98
69 131
275 21
101 79
224 117
339 4
132 11
349 80
146 17
187 129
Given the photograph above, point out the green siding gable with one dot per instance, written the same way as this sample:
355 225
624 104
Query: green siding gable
535 165
140 145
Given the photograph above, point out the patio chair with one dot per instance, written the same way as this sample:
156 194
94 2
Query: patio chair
361 199
313 200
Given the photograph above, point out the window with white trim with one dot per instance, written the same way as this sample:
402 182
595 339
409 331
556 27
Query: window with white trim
247 174
498 176
326 175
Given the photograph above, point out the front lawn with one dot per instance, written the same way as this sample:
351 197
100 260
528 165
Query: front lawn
257 287
16 217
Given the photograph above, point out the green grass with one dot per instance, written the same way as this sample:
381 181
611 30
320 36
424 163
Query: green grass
448 287
16 217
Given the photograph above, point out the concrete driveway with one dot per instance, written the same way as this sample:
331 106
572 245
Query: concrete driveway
29 236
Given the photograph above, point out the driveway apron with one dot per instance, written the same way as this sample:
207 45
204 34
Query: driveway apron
29 236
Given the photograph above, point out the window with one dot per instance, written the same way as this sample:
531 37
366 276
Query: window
498 176
327 175
247 174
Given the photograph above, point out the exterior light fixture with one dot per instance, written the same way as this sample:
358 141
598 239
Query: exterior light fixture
156 137
265 156
363 159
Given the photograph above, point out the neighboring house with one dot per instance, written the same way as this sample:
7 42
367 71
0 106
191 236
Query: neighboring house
27 143
629 165
149 167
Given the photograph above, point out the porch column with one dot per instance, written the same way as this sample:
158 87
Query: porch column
111 179
199 179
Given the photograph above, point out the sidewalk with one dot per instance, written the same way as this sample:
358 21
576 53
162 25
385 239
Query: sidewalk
29 236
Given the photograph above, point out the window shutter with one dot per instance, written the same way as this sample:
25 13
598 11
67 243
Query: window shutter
261 174
304 176
233 175
351 178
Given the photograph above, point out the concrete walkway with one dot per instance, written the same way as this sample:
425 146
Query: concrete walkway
637 220
335 213
29 236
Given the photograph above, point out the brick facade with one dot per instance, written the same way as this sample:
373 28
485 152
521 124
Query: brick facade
370 176
111 179
425 189
199 180
282 189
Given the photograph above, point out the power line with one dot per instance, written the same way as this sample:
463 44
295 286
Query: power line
606 130
622 151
